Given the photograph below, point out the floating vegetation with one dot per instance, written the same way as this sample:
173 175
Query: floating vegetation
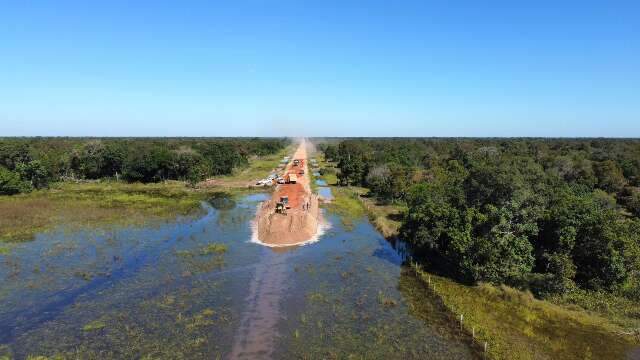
94 325
202 319
214 249
84 275
4 249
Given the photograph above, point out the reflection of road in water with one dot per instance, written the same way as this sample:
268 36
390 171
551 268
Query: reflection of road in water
257 333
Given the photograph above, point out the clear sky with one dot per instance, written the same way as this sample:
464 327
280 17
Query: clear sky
320 68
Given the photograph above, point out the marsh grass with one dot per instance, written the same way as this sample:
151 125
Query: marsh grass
385 217
205 259
99 203
346 205
517 326
94 325
214 248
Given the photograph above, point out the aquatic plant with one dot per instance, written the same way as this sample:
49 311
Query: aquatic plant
214 248
94 325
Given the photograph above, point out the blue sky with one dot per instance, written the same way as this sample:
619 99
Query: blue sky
321 68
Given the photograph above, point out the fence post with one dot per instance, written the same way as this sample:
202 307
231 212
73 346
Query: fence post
473 332
461 318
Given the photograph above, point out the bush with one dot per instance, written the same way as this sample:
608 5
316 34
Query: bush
11 183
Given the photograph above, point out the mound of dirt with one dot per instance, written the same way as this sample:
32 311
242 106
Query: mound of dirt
300 223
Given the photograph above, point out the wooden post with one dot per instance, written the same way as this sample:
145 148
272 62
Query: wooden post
461 318
473 332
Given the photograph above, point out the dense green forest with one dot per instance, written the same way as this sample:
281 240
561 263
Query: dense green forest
31 163
554 216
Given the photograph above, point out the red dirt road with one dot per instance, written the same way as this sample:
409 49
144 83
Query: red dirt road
300 224
299 192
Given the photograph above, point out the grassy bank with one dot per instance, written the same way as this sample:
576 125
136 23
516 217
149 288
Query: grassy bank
517 326
22 216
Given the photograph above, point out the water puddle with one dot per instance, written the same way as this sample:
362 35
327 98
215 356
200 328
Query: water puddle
200 289
325 193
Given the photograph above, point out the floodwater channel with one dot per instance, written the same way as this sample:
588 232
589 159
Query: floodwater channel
198 288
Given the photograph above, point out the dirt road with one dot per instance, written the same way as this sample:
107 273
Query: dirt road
300 224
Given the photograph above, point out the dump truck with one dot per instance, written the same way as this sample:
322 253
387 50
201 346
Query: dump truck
293 178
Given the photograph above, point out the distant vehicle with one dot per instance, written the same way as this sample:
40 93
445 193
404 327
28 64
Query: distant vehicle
301 172
293 179
281 180
296 162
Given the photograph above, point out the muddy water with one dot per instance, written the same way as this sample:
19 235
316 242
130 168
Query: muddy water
156 292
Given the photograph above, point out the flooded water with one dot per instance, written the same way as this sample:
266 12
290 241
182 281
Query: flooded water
324 191
174 290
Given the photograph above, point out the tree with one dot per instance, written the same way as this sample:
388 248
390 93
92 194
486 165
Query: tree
148 164
352 164
504 253
610 177
34 173
11 183
379 181
14 153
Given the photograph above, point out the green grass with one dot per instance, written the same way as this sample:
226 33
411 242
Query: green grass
4 249
517 326
258 168
386 218
346 204
97 203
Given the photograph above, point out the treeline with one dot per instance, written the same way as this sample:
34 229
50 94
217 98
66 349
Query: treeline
31 163
549 215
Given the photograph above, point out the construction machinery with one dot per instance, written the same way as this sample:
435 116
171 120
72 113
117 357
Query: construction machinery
281 208
285 200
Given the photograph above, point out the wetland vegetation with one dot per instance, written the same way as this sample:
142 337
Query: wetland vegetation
552 217
108 268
